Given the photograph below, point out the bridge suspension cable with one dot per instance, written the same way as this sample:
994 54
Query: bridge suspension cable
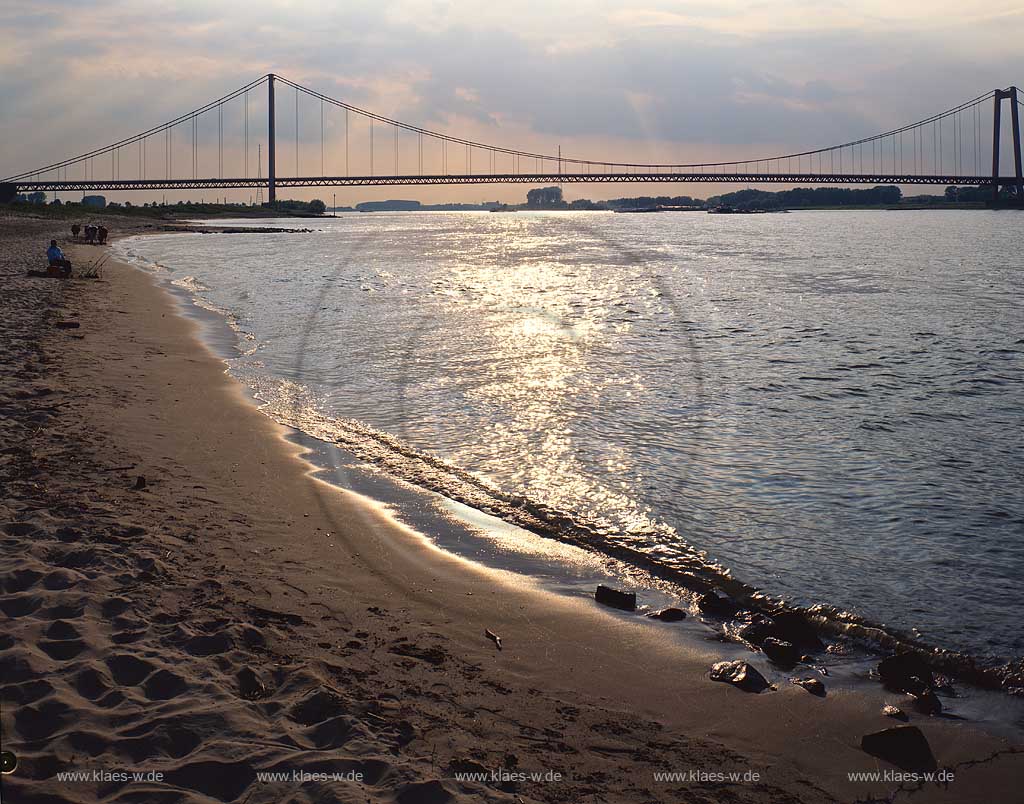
163 127
954 112
957 150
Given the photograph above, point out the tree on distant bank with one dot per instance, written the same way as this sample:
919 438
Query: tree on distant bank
8 192
317 206
545 198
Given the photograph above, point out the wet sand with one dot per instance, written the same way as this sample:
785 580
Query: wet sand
231 615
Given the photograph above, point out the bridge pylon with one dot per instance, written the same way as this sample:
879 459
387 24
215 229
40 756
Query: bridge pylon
271 148
999 96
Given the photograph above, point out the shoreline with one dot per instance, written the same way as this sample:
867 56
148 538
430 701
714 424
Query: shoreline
865 640
369 641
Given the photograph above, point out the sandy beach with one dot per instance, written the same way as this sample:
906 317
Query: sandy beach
184 601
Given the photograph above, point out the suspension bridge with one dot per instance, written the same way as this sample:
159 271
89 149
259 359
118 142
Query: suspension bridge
211 147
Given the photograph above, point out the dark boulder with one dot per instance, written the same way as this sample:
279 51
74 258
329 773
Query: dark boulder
906 672
740 675
669 615
757 629
812 685
903 746
927 703
791 626
784 626
616 599
944 685
781 653
717 603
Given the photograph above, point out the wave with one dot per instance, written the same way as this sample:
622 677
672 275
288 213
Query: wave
247 345
688 571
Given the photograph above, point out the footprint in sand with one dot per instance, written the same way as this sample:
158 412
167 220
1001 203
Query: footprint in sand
61 629
39 722
62 651
209 644
20 605
164 685
221 781
70 611
321 705
59 580
114 607
73 558
129 670
27 692
20 580
91 684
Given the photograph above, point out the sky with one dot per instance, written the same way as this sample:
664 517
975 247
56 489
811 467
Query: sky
645 81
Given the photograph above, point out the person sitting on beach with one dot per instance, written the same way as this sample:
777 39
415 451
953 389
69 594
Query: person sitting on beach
75 229
57 259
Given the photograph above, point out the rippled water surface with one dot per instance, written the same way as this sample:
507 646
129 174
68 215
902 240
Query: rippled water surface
828 404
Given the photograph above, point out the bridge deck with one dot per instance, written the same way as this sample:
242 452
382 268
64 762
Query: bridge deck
99 185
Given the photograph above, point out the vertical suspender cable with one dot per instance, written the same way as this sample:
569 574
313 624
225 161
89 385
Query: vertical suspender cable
977 139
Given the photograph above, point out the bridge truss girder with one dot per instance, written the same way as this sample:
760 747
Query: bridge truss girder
508 178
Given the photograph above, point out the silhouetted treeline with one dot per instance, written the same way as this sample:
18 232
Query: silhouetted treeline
314 207
809 197
969 194
648 201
